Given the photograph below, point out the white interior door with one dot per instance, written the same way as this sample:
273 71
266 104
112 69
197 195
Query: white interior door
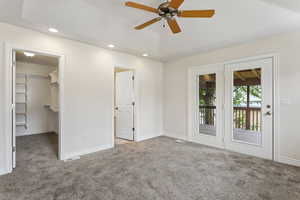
13 109
125 105
249 106
206 101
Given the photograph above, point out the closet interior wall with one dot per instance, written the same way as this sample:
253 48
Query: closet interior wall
36 98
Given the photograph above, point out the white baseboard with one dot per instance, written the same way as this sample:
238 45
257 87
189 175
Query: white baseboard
33 133
3 172
289 161
147 137
182 136
85 152
176 135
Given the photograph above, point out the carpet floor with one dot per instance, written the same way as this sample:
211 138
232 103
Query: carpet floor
156 169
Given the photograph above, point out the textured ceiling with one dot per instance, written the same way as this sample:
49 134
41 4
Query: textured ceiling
110 22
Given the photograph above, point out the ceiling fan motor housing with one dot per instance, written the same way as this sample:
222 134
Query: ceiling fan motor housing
167 12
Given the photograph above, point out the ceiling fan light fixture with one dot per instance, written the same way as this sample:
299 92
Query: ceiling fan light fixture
111 46
145 55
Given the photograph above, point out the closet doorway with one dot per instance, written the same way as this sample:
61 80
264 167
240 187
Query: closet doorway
35 99
124 106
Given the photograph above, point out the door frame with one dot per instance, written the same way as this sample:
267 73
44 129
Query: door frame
136 104
8 50
276 96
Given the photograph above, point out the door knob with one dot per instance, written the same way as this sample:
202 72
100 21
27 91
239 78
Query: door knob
117 108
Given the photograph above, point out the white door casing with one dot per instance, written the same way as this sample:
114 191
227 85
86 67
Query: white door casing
265 150
10 121
13 103
125 105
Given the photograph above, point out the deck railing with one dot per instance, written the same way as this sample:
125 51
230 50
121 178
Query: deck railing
247 118
207 115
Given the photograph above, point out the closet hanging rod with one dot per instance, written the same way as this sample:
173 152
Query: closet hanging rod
31 75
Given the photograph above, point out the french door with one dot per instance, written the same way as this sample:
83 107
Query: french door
232 107
249 108
206 108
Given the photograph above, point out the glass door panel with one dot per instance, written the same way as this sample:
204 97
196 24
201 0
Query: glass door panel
247 101
207 104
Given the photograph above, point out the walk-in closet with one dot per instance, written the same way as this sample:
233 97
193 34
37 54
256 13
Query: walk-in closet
36 99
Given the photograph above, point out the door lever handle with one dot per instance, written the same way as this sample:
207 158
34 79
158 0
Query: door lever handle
116 108
268 113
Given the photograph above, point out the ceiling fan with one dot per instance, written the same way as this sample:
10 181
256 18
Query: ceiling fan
168 11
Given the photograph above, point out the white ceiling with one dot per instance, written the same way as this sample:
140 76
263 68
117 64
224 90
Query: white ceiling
289 4
110 22
39 59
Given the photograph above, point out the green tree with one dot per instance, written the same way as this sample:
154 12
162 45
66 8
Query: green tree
240 99
240 94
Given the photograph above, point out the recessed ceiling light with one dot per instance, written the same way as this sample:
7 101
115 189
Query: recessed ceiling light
52 30
29 54
145 55
111 46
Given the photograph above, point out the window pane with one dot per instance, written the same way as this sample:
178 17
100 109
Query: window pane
207 104
247 99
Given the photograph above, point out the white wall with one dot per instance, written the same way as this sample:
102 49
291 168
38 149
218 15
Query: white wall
40 119
288 48
88 91
3 163
37 69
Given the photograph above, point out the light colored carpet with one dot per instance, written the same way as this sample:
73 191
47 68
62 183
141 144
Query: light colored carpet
157 169
122 141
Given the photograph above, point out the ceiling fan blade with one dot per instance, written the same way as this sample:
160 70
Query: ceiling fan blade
196 13
142 26
176 3
174 26
141 6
